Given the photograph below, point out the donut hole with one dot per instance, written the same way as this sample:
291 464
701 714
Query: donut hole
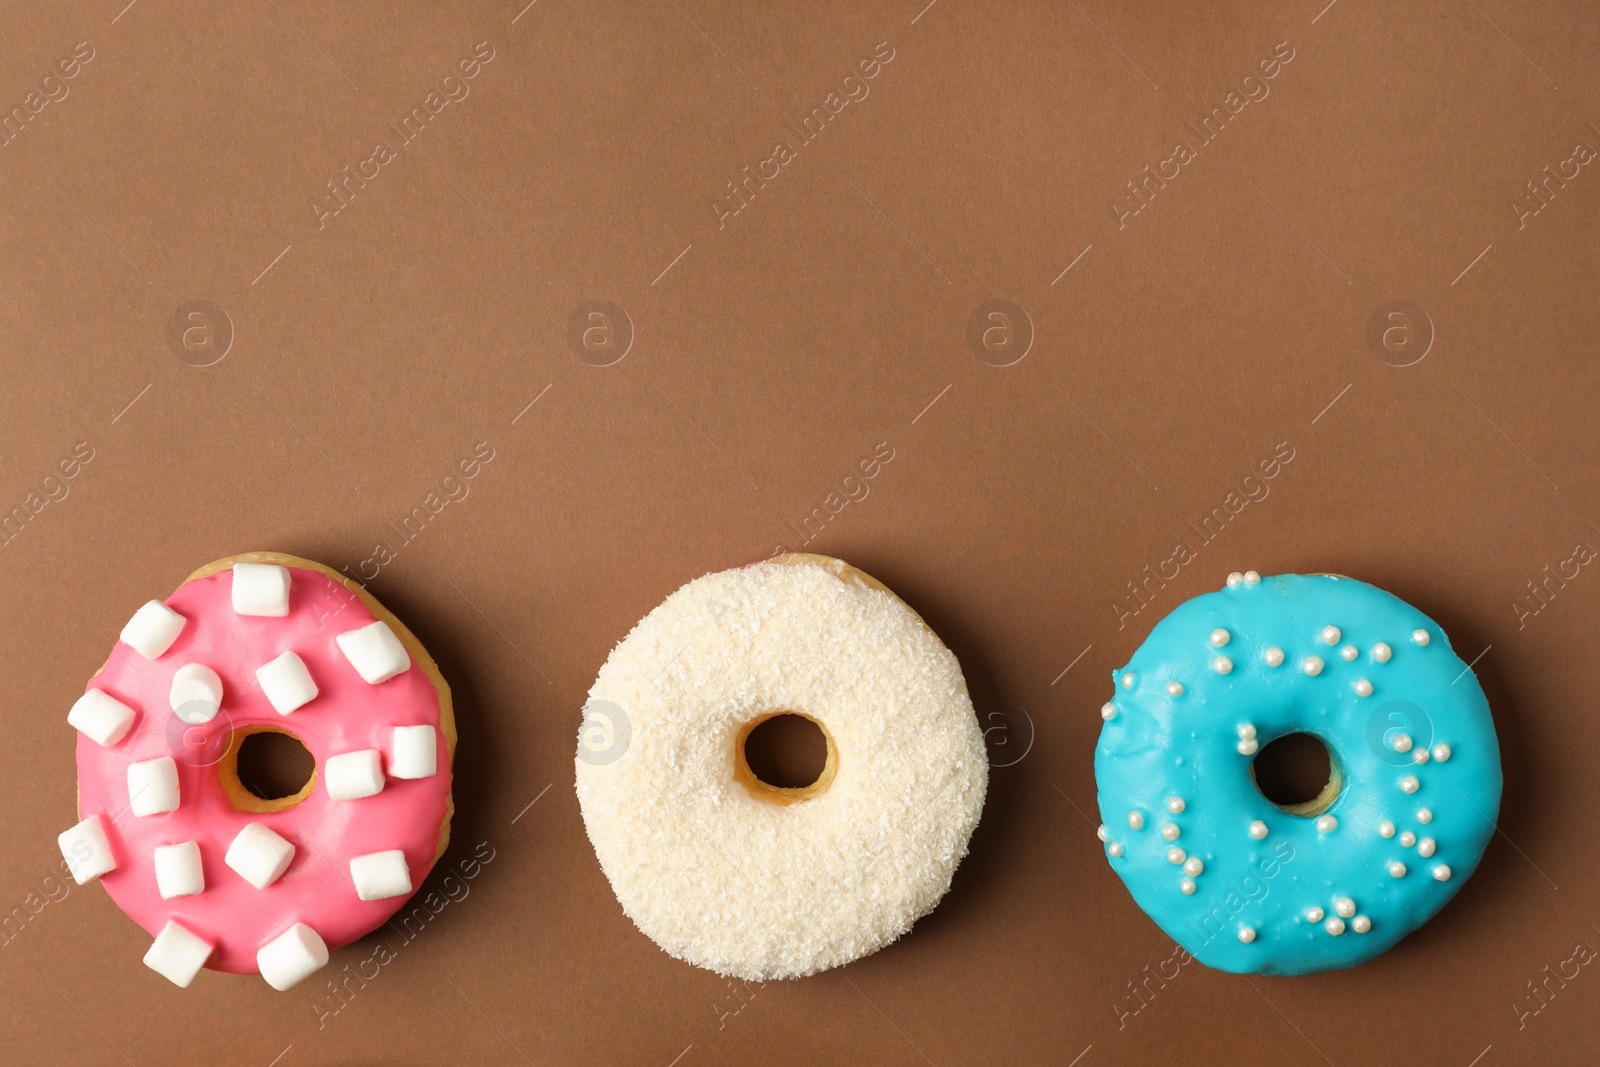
266 769
785 757
1298 773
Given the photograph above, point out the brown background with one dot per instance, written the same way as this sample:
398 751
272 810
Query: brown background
373 353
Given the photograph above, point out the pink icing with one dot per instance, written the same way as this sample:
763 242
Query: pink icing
346 715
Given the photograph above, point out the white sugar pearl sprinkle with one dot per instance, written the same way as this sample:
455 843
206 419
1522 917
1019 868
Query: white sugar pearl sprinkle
1170 832
1348 653
1397 869
1327 824
1246 934
1248 746
1363 687
1220 637
1425 847
1330 635
1222 665
1420 756
1115 848
1441 873
1101 832
1234 578
1252 578
1128 680
1386 828
1258 829
1175 805
1136 819
1381 652
1420 637
1274 657
1246 732
1175 689
1312 665
1193 867
1361 924
1410 784
1314 914
1187 886
1334 925
1441 753
1344 906
1176 856
1401 742
1108 711
1407 839
1424 815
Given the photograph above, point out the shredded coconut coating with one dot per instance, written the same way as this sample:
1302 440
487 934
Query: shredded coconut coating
759 890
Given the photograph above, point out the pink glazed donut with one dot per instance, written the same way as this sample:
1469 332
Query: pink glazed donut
220 877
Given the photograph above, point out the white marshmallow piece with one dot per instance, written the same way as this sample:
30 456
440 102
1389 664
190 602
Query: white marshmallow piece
416 752
375 652
259 856
86 850
353 775
177 954
101 717
178 871
292 956
196 693
153 786
381 875
260 589
152 629
286 683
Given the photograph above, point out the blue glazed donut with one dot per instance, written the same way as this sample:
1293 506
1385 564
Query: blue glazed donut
1250 887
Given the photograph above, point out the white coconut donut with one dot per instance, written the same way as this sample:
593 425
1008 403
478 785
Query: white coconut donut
741 877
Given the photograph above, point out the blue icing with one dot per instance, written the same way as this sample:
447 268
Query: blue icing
1156 746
